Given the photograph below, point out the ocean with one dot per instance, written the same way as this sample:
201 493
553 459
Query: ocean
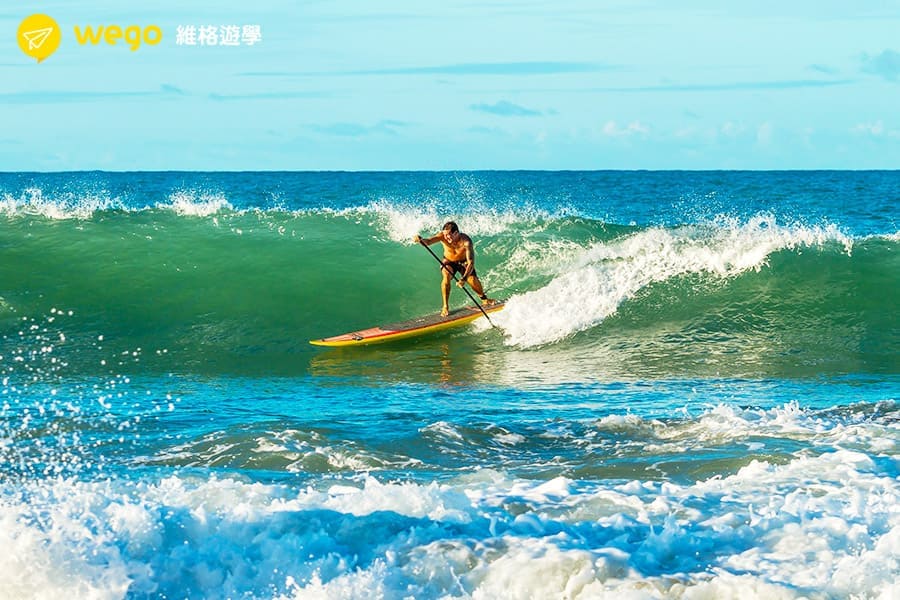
692 391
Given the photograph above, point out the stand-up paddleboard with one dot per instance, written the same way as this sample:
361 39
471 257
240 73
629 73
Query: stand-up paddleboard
408 329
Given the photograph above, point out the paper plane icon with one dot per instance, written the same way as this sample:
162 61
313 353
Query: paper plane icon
37 37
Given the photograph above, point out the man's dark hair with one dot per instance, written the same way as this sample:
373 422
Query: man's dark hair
450 226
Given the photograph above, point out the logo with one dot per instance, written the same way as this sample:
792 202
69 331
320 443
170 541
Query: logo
112 34
39 36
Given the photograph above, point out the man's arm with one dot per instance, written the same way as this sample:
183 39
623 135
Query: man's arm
427 241
470 260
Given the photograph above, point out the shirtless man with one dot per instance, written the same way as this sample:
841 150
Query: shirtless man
459 257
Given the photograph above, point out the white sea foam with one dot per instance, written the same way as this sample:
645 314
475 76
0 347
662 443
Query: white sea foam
68 205
821 525
591 284
290 450
445 430
402 222
726 424
195 203
509 439
83 205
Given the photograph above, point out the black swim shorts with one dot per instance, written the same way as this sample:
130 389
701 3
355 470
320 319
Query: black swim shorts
458 266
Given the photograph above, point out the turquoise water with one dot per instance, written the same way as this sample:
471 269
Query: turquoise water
692 391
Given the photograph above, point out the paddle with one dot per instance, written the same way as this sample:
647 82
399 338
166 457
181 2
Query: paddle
453 275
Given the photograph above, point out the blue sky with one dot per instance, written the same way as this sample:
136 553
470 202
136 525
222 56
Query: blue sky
367 85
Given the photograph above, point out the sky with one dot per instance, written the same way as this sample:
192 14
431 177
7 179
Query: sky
459 85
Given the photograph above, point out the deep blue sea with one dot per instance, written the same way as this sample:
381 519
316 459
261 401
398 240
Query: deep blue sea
692 391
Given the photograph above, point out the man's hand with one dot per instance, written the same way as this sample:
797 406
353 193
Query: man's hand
417 239
461 283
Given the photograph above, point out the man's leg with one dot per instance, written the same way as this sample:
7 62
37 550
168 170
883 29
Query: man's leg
445 291
477 287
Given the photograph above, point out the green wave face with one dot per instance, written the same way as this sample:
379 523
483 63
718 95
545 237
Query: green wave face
244 291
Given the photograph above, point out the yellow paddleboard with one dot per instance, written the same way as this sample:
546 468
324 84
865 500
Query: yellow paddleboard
407 329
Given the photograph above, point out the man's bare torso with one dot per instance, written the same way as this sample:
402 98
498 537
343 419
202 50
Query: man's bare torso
457 251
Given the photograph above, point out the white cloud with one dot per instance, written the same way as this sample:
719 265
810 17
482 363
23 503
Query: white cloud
886 64
876 128
731 129
612 129
764 134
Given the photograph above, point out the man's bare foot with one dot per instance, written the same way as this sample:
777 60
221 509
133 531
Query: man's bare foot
488 302
444 312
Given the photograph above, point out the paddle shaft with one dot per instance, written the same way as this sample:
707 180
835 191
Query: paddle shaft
453 275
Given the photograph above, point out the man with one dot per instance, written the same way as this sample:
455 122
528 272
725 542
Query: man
459 257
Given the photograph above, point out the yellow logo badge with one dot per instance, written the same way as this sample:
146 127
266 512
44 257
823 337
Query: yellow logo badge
39 36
